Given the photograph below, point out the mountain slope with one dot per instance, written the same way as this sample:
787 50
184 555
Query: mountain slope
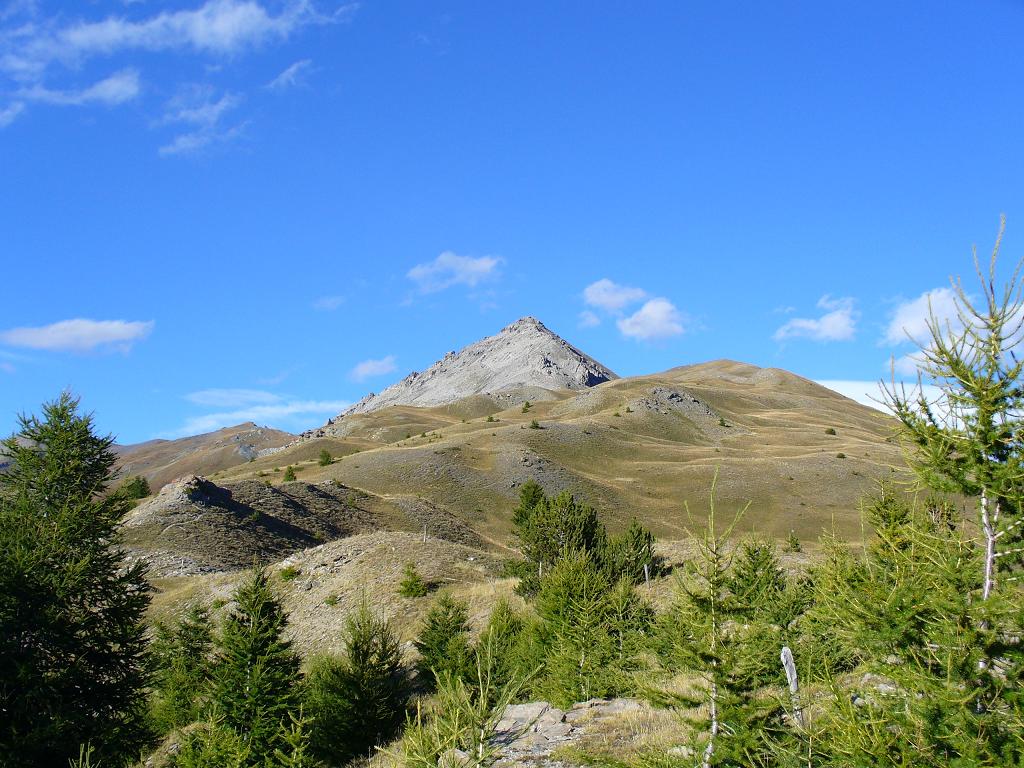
645 447
523 355
161 461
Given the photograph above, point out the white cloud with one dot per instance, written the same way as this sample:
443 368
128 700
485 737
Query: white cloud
368 368
450 269
220 27
292 414
656 319
197 106
870 393
10 113
117 89
588 319
7 367
291 76
231 398
79 335
910 319
328 303
610 296
839 323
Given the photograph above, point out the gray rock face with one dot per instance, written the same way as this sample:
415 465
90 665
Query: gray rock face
524 354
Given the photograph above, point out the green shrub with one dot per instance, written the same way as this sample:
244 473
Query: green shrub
325 458
722 422
526 407
840 455
830 430
412 585
289 573
535 425
289 474
490 419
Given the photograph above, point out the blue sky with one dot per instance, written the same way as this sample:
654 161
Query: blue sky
217 210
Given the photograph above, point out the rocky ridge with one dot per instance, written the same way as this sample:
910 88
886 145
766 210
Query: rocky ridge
522 355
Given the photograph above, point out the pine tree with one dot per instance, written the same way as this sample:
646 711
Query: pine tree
325 458
289 474
72 646
443 643
357 702
181 657
256 675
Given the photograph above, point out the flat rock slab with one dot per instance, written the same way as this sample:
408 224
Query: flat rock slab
528 734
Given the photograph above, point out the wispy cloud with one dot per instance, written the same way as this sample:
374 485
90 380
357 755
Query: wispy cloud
611 297
287 414
217 27
328 303
839 323
588 319
657 319
198 107
79 335
10 113
117 89
450 269
291 76
36 51
368 368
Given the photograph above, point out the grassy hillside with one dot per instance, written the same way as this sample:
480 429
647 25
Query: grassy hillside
646 446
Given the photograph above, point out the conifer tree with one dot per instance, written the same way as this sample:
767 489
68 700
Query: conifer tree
443 643
181 656
356 702
969 441
412 584
587 631
722 638
72 649
256 675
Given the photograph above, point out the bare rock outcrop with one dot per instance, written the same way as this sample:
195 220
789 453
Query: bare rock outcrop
523 354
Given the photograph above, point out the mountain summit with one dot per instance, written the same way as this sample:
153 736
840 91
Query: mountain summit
524 354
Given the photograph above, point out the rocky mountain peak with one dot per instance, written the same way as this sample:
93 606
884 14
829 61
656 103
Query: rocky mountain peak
523 354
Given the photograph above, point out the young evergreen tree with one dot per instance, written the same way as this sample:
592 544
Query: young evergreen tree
969 442
357 701
412 584
325 458
134 488
72 646
934 664
256 674
289 474
443 643
728 642
555 525
587 632
181 656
